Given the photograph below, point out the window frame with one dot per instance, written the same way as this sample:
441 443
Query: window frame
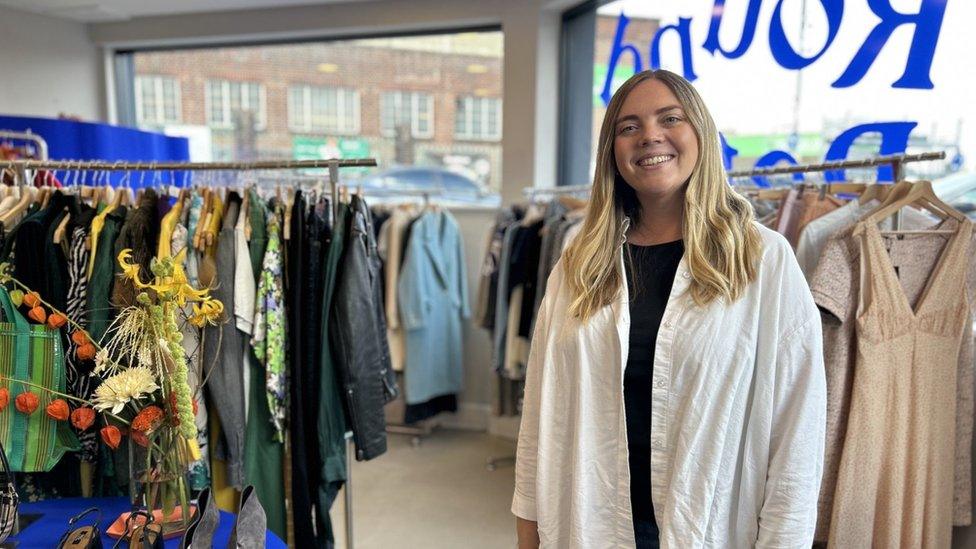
308 126
485 106
261 115
157 81
414 99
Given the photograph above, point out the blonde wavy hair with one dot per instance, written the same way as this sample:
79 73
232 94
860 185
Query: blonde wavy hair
722 244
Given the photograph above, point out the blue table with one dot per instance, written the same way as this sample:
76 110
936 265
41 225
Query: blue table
47 530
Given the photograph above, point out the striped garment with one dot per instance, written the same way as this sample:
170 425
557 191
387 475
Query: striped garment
80 383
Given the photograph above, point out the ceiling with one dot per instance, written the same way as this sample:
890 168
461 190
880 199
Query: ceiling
94 11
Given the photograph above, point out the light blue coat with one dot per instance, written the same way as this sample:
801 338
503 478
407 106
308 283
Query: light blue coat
432 292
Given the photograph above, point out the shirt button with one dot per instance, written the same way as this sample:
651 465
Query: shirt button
686 274
668 324
658 443
660 383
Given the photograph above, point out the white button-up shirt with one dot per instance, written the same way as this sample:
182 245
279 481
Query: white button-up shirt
738 414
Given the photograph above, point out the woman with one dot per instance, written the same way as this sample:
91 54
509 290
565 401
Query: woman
675 391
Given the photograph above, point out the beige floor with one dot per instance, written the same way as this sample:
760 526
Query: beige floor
437 495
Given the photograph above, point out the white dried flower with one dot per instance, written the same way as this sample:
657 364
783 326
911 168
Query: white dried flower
128 385
102 360
145 357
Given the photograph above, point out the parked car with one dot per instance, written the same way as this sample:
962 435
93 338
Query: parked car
411 182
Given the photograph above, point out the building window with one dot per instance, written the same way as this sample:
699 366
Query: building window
412 109
323 110
478 118
225 99
157 100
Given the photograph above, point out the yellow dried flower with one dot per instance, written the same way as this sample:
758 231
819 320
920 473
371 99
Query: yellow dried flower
208 312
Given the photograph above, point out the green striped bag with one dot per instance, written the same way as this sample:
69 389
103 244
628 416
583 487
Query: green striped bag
31 352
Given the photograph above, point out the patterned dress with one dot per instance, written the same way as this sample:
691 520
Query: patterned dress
268 339
199 470
80 383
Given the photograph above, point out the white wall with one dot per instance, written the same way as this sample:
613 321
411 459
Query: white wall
48 66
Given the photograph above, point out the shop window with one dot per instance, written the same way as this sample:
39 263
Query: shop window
157 100
478 118
314 109
414 110
340 99
226 100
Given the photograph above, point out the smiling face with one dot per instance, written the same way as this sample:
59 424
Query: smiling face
655 146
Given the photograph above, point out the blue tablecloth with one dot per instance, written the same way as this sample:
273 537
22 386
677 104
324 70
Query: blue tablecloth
47 530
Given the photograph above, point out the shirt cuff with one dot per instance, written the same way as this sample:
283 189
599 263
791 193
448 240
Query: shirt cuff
523 506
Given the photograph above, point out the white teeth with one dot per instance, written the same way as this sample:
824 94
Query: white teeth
655 160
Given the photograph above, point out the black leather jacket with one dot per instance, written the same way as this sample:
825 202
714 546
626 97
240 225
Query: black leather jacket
358 335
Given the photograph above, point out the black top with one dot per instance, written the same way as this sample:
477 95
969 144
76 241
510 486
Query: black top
650 274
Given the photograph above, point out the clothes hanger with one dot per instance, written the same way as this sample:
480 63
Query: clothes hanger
9 201
26 198
920 193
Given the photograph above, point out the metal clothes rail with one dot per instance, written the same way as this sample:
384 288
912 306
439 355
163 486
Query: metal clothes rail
896 161
28 135
139 166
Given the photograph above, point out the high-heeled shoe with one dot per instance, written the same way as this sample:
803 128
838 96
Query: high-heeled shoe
200 533
84 537
251 527
148 535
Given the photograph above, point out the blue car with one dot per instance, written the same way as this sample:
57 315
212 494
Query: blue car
410 182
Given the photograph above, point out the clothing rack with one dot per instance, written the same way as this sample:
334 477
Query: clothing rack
897 162
333 164
28 135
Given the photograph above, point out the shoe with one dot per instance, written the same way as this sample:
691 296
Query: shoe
85 537
251 527
200 533
148 535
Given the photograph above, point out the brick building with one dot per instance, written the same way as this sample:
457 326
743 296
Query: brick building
432 100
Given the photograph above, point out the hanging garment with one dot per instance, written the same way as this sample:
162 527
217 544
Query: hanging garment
38 262
390 245
263 455
358 335
223 352
268 339
139 233
330 419
808 207
815 235
895 482
490 267
555 213
433 298
318 240
502 299
199 473
79 381
104 269
304 451
192 220
835 286
97 224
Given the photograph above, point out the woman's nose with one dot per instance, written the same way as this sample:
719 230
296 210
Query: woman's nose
652 134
